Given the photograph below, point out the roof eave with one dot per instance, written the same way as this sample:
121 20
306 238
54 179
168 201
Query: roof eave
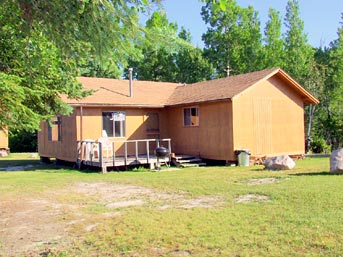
115 105
308 97
199 102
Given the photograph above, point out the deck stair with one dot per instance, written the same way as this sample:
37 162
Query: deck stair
188 161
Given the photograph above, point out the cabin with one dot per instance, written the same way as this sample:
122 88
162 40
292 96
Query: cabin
123 121
4 141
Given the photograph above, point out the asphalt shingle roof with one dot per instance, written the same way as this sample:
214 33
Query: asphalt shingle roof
113 92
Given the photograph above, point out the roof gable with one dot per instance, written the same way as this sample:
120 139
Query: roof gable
218 89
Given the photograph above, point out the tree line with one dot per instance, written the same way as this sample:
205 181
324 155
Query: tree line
47 44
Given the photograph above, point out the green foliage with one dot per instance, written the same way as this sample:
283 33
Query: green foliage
319 145
44 42
274 44
330 113
298 53
179 62
233 38
23 141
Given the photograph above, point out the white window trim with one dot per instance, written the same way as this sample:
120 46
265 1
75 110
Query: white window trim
198 115
123 127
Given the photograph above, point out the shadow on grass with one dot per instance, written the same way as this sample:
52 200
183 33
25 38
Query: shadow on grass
323 173
32 165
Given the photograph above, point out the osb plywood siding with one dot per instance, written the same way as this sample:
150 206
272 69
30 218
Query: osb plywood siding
136 127
3 139
212 139
65 149
88 126
269 119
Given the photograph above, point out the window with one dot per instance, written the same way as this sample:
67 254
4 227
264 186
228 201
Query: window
152 123
54 129
113 123
191 116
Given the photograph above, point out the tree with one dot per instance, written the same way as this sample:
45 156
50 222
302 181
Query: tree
180 62
298 53
274 44
44 42
333 118
234 37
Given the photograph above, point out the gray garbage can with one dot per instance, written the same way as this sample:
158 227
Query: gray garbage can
243 157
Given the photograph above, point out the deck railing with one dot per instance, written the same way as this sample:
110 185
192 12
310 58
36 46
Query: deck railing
106 153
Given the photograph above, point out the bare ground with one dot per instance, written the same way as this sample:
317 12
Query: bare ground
30 226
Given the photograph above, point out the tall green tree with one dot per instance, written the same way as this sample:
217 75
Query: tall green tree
273 42
333 117
44 42
156 62
191 64
233 38
298 53
180 62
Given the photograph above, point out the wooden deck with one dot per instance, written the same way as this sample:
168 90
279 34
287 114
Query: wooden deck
105 154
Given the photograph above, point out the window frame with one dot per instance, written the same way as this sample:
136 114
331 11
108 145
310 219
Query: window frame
55 125
197 115
122 125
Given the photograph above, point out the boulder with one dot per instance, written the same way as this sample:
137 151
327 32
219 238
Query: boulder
3 153
283 162
336 161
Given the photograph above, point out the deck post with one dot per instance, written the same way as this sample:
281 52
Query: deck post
79 155
169 148
125 157
147 151
113 154
100 154
89 147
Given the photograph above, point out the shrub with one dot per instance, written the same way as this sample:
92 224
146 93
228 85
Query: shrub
23 141
319 145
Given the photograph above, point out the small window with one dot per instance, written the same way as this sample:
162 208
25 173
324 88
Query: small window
152 123
54 130
191 116
113 123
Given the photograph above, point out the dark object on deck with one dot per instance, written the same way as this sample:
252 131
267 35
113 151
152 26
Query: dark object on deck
161 152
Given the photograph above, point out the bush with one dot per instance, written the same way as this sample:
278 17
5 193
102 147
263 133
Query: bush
319 145
23 141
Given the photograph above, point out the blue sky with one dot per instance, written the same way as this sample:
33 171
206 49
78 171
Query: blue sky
321 17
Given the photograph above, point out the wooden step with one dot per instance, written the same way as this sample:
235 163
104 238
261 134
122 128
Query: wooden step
184 157
189 160
189 165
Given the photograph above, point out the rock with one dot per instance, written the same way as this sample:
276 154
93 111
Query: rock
3 153
283 162
336 161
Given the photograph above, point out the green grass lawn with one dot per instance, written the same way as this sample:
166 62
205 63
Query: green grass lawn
303 216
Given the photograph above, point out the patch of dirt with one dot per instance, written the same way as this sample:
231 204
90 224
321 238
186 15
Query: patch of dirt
260 181
252 198
32 226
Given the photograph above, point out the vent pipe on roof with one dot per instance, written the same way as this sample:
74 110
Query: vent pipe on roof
130 81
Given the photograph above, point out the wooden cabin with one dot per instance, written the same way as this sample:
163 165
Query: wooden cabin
4 140
261 111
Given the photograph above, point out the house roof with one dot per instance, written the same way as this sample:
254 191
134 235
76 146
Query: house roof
113 92
229 87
